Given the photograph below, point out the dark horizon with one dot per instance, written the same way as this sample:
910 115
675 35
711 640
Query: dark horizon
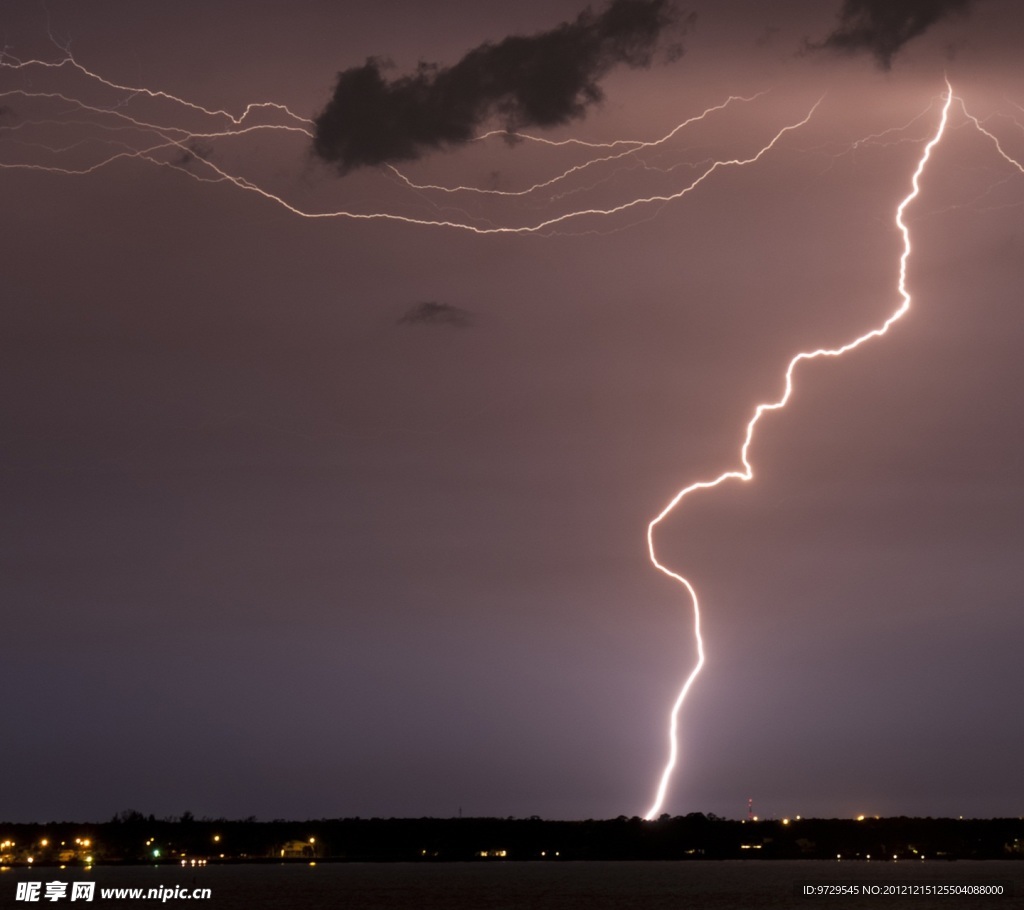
190 817
130 838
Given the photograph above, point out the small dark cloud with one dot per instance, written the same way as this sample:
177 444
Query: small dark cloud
540 80
434 313
882 27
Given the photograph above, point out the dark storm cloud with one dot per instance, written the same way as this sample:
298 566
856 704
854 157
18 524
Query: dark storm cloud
433 313
540 80
882 27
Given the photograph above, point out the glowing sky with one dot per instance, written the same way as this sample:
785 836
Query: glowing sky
275 544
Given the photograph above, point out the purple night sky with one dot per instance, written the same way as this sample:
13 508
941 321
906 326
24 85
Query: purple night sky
271 545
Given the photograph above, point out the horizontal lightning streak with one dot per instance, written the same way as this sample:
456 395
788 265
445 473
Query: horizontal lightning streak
636 145
747 472
133 123
9 62
128 123
549 222
557 143
528 229
175 137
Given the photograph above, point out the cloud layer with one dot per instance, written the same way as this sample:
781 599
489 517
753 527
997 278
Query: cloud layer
540 80
883 27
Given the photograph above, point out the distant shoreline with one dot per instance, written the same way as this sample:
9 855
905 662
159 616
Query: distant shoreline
133 839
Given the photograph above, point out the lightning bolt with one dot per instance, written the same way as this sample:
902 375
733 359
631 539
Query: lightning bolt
747 471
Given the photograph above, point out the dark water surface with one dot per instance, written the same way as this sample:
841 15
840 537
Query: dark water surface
728 885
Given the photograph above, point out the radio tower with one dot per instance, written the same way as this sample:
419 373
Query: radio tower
750 809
